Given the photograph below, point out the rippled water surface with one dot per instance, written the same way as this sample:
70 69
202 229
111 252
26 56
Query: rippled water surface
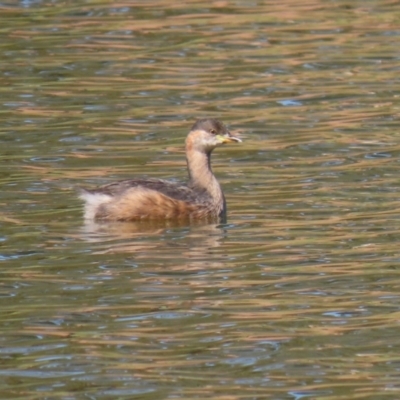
297 296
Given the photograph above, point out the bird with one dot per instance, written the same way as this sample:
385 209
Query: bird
155 199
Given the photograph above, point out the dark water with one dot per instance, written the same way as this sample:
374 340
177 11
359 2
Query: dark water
297 296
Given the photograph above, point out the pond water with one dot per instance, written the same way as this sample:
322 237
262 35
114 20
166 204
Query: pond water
297 296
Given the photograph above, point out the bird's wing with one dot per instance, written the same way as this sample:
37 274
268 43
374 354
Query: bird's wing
167 188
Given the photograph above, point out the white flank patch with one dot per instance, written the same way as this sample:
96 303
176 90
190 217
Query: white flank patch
93 202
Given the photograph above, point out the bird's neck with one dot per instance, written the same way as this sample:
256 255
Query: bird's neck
201 177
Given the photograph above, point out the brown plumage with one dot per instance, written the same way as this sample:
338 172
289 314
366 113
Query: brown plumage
156 199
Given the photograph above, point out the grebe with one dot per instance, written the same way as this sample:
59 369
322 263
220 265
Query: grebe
156 199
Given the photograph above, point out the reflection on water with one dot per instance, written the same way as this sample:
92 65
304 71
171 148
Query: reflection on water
166 237
296 296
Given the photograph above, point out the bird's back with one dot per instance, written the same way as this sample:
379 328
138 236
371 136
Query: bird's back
138 199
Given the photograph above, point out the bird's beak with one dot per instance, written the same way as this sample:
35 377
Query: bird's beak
228 138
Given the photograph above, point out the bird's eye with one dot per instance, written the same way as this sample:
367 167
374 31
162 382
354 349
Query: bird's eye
213 131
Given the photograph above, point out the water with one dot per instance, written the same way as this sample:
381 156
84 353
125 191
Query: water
297 296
